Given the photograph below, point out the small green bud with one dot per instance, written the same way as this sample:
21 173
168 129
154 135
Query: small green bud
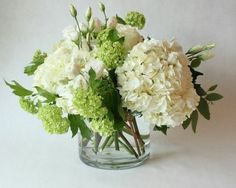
91 24
88 14
73 11
199 48
101 6
206 55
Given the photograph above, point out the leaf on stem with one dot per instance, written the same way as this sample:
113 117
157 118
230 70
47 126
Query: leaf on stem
77 123
38 59
212 88
194 118
195 63
49 96
120 20
186 123
18 89
203 108
213 97
162 128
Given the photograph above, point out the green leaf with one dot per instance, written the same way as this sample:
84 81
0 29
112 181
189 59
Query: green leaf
18 89
163 129
93 82
49 96
194 117
200 91
186 123
38 59
120 20
113 35
203 108
212 88
213 97
77 123
195 63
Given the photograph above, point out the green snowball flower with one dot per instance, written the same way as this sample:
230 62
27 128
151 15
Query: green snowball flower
28 105
52 119
135 19
103 36
88 103
103 126
112 54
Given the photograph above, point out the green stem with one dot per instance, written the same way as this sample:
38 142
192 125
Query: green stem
105 143
141 142
116 141
128 144
110 141
97 140
126 147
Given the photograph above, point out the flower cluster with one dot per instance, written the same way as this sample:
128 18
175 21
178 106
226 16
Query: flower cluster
156 81
88 103
103 71
135 19
112 54
52 119
28 105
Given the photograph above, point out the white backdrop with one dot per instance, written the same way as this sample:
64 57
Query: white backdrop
30 158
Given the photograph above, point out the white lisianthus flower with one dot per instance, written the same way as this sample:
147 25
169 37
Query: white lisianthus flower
155 80
132 37
71 33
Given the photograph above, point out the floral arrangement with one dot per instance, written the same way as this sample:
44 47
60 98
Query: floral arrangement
102 75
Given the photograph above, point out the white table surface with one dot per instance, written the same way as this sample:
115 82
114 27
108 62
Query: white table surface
30 158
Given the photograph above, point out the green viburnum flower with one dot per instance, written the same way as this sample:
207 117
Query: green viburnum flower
112 54
103 36
88 103
103 126
52 119
28 105
135 19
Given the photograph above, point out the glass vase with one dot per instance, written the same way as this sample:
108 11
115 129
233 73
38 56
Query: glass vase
121 150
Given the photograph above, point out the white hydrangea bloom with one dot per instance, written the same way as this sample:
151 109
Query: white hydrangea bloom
132 37
156 80
64 63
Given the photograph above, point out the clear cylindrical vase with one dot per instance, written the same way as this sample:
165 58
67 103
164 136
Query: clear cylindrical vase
124 149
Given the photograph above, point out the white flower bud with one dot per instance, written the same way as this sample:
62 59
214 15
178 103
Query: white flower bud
91 24
206 55
97 24
101 6
112 22
88 14
199 48
73 11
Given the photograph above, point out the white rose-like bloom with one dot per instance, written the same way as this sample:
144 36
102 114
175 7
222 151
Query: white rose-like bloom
71 33
132 37
64 63
155 80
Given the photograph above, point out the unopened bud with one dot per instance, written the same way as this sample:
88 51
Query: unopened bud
101 6
91 24
206 55
73 11
88 14
199 48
